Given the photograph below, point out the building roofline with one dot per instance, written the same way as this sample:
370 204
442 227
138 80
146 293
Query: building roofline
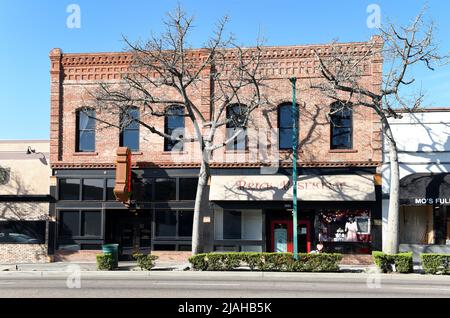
297 46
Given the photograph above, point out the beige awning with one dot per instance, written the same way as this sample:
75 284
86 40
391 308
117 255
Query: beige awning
279 188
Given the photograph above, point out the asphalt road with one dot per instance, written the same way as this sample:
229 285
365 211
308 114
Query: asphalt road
227 285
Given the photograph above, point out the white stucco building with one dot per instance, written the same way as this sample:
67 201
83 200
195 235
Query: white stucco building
423 140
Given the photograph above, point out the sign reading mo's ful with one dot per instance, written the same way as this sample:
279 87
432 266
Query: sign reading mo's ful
279 188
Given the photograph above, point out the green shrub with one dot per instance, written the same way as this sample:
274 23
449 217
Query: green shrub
105 262
436 263
403 262
266 262
145 262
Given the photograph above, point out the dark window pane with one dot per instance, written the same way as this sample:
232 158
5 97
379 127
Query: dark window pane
166 223
92 224
86 141
285 138
165 189
69 223
93 189
174 126
85 131
232 225
86 119
142 190
22 232
188 188
130 139
110 183
69 189
341 122
185 220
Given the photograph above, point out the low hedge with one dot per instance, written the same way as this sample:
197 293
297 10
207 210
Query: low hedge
145 262
105 262
276 262
436 263
387 263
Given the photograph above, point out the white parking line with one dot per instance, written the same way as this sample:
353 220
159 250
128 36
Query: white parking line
195 284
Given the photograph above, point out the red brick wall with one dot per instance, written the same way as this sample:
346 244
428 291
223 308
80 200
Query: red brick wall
73 75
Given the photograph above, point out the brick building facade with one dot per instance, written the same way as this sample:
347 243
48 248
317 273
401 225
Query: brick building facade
160 221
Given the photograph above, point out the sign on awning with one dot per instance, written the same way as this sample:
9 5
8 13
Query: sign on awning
279 188
425 189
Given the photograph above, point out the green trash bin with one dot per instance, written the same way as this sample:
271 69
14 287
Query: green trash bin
112 249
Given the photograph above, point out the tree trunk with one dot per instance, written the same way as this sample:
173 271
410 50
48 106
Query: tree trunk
392 240
203 177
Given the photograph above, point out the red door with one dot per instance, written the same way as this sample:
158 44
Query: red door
282 235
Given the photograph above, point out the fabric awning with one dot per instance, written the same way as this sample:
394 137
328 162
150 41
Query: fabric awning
425 189
279 188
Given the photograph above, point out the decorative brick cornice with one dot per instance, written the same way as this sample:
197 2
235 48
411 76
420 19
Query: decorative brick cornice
281 61
168 165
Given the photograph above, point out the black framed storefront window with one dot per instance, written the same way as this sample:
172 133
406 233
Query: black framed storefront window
232 225
69 189
22 232
80 224
188 188
93 189
165 189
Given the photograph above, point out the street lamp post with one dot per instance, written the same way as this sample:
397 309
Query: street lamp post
294 163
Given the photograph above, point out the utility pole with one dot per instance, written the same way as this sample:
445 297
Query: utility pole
294 163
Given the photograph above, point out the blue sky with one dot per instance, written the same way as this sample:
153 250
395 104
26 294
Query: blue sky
30 28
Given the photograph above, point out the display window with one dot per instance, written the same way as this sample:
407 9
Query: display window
344 226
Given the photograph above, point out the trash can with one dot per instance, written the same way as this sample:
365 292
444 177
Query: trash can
112 249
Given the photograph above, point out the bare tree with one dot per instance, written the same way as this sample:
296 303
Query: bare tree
403 48
165 71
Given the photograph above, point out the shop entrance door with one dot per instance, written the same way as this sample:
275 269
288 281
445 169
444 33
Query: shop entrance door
133 234
282 235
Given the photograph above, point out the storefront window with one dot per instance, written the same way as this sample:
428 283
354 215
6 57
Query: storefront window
69 189
166 223
188 188
93 189
22 232
165 189
344 226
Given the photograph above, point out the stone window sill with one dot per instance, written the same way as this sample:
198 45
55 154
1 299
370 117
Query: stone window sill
85 154
343 151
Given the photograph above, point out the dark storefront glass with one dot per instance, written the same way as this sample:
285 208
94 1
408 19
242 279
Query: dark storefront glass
92 224
165 189
185 220
22 232
110 183
69 189
69 223
166 223
188 188
344 226
93 189
232 222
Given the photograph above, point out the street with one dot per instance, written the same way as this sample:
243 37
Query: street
223 285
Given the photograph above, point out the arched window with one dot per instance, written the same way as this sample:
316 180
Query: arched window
341 126
236 118
129 135
174 126
285 126
85 134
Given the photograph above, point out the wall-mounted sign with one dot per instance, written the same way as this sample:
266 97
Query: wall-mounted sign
122 188
279 188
